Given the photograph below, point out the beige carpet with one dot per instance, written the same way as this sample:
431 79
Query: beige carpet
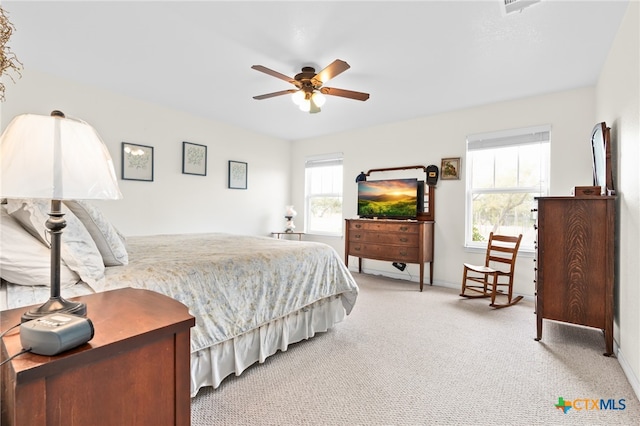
409 358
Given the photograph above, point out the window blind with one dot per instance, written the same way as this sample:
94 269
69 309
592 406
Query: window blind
325 160
530 135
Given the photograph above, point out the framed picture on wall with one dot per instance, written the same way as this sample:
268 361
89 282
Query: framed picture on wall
194 159
237 175
137 162
450 168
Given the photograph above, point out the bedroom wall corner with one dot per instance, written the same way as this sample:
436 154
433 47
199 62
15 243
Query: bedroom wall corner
618 104
173 202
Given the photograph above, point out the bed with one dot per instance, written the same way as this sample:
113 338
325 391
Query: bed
251 296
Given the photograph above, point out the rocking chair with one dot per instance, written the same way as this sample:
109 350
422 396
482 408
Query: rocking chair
499 265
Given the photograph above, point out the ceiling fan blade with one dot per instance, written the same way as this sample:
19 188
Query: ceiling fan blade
275 74
360 96
274 94
333 69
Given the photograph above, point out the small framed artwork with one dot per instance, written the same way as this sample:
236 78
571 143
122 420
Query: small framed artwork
194 159
237 175
137 162
450 168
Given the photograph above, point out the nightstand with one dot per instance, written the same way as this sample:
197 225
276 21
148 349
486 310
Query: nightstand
135 370
279 234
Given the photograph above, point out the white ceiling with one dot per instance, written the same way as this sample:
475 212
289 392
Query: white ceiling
415 58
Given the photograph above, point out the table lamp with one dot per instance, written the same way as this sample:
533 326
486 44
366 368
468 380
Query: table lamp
55 158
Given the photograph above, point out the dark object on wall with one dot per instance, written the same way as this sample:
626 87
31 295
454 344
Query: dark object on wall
194 159
361 177
432 175
238 174
137 162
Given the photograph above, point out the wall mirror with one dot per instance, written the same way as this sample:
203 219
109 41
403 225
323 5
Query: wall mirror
601 152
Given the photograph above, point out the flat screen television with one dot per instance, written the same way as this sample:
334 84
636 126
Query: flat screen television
390 198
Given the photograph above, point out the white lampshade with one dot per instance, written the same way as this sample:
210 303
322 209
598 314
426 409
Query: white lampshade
319 99
298 97
305 105
57 158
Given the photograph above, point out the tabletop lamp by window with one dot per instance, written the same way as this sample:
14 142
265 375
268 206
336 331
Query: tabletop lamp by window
55 158
289 214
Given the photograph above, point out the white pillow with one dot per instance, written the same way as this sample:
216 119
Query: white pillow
105 235
78 249
24 260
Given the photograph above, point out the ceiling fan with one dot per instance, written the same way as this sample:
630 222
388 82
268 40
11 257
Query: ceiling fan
309 95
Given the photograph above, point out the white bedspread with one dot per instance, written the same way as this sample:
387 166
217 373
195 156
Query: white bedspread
231 283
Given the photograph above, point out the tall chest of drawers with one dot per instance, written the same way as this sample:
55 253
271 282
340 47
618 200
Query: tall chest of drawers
391 240
575 262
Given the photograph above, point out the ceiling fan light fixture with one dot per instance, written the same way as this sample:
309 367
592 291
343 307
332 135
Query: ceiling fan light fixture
298 97
309 94
305 105
319 99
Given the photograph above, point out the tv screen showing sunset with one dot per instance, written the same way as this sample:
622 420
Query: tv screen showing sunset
395 198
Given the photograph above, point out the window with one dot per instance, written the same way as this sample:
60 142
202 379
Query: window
505 171
323 195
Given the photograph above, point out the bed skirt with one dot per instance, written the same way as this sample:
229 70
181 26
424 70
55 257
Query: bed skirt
211 365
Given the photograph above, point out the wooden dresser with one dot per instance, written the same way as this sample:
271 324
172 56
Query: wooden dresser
575 262
135 370
391 240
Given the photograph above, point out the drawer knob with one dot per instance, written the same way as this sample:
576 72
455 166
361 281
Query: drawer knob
356 248
403 253
404 240
358 226
404 228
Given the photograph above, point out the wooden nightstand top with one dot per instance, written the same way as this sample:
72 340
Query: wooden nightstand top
118 316
137 362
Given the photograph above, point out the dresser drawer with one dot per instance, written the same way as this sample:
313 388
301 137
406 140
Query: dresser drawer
397 238
384 252
384 226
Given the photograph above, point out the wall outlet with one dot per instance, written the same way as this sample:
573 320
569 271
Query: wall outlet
400 266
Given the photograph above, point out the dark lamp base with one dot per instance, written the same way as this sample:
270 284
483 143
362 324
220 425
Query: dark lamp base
55 305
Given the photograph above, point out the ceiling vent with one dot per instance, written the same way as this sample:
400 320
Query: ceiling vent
512 6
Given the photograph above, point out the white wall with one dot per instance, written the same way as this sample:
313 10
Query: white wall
176 203
426 140
173 202
618 104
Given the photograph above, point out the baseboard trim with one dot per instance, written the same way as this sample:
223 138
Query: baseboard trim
628 371
408 276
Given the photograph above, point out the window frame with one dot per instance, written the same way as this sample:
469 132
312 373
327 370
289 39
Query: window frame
326 160
540 135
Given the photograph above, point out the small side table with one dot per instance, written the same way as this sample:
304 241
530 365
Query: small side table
135 370
278 234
